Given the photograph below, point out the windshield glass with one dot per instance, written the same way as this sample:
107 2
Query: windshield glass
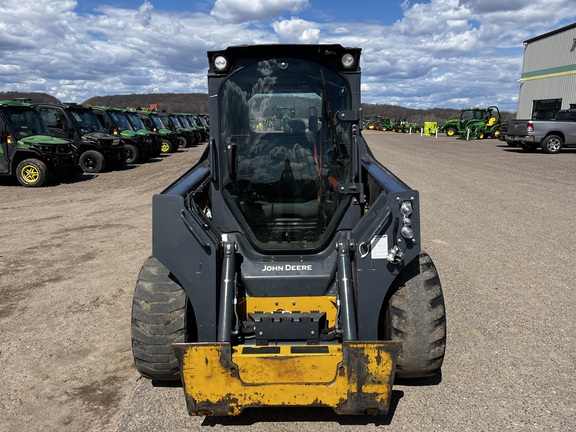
291 153
158 122
25 122
121 121
86 121
184 121
135 120
176 121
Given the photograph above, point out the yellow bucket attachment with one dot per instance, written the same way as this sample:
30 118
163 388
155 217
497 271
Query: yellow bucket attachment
352 378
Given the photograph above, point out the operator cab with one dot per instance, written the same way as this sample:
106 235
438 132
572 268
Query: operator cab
284 152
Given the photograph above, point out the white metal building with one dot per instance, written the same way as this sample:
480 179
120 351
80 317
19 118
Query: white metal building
548 81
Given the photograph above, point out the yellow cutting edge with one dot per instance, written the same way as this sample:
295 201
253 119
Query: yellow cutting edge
352 378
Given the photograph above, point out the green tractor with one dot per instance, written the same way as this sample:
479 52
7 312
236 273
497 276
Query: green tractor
401 126
480 123
450 127
28 150
474 123
385 124
372 122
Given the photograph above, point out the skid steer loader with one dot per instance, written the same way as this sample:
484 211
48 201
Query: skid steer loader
286 265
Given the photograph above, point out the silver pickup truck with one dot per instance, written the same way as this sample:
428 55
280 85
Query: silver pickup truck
550 135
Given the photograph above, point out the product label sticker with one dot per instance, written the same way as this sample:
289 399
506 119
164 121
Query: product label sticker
379 247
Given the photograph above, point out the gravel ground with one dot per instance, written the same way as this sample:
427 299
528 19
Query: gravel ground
497 222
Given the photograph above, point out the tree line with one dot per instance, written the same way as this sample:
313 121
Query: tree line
196 103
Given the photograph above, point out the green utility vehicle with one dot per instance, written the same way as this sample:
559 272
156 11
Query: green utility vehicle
95 149
182 126
183 137
28 150
200 127
151 121
138 146
141 129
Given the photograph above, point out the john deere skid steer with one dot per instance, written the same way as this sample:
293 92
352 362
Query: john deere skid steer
286 265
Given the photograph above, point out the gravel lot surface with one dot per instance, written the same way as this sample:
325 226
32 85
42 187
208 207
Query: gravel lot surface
499 224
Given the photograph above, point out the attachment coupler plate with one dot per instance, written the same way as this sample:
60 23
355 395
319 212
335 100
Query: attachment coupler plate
352 378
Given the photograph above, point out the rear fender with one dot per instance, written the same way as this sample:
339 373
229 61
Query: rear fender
187 244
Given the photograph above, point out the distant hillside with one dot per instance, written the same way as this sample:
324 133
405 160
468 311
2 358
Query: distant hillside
198 103
171 102
35 97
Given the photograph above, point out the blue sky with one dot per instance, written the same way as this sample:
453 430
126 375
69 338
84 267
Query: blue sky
419 54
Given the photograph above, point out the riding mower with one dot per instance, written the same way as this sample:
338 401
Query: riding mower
286 265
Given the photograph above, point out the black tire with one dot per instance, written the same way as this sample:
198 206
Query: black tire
159 319
132 154
416 316
552 144
91 161
32 173
182 142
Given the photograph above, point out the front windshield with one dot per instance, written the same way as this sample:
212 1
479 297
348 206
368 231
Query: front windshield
135 120
26 122
121 121
86 121
291 153
158 122
184 121
176 121
473 114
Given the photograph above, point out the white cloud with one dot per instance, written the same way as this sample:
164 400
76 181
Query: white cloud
297 31
441 53
253 10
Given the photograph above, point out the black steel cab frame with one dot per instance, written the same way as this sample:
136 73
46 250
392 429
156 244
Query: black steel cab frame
300 210
289 240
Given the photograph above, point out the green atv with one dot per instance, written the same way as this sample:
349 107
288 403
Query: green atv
27 150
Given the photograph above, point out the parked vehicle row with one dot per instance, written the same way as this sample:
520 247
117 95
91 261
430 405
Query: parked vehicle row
473 123
377 122
38 141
